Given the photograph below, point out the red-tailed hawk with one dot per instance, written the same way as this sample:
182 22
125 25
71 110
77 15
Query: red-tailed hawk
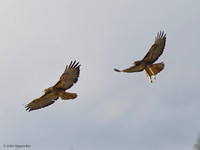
153 54
67 80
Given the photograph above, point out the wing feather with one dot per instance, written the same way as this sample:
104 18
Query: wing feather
156 49
43 101
131 69
69 77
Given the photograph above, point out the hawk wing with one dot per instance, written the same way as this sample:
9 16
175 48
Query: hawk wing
156 49
131 69
69 77
45 100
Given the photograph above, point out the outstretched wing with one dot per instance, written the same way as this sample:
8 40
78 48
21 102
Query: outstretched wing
156 49
45 100
131 69
69 77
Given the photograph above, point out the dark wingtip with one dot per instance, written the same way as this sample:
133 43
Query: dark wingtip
161 34
27 108
73 64
116 70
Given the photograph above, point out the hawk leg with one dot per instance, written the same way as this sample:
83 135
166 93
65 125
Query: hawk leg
154 76
147 73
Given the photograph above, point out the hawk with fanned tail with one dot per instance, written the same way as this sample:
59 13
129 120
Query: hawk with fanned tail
153 54
67 80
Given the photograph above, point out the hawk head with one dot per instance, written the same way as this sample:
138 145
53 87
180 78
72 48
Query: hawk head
137 63
48 90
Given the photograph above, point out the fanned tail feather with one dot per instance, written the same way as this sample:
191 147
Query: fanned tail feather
156 68
67 95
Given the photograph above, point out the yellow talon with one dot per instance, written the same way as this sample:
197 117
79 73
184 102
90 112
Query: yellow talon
150 80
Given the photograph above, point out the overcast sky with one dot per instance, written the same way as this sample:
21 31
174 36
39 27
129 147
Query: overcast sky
113 111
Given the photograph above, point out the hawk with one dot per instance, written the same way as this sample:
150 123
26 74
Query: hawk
147 63
67 80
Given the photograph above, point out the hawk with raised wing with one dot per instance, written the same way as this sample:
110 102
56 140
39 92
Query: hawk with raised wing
153 54
67 80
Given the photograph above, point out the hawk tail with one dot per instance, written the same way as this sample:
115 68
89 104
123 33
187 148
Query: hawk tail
156 68
153 70
67 95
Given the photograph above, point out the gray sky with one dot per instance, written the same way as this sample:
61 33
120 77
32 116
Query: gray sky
113 111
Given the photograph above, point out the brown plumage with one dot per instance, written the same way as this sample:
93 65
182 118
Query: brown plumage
67 80
153 54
